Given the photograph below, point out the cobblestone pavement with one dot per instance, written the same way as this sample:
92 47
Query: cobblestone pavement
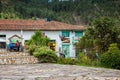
56 72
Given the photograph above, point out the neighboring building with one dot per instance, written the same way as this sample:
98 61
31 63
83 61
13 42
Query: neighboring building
61 34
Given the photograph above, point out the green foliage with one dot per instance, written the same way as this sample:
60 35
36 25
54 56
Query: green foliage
92 55
45 55
70 11
103 32
9 15
100 35
31 49
84 59
38 39
68 61
37 46
85 42
113 47
111 58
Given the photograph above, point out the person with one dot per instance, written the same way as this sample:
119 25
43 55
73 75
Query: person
17 44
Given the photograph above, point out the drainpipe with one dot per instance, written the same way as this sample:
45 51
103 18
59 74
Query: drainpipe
22 37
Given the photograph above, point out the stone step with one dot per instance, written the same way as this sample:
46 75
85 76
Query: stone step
17 58
13 54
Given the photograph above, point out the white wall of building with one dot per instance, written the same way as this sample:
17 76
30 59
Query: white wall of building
26 35
53 35
72 48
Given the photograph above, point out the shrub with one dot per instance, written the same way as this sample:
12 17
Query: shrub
68 61
111 59
96 63
92 55
113 47
38 39
45 55
31 49
84 59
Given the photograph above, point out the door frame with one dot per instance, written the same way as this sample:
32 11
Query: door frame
67 55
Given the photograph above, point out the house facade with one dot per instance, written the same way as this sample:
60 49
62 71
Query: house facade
62 36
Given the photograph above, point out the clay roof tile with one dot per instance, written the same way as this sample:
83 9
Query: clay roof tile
36 25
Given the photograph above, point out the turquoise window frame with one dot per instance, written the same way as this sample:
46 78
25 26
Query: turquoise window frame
66 33
78 33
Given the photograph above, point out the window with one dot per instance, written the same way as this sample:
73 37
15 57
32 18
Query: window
65 33
78 34
2 35
52 44
2 44
2 41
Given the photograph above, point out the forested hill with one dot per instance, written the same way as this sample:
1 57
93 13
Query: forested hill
68 11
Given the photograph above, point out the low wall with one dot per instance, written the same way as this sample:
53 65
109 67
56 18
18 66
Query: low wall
17 58
20 60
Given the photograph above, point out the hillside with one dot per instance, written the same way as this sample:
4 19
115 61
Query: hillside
70 11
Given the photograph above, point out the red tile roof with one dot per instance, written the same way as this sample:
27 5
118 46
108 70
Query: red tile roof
37 25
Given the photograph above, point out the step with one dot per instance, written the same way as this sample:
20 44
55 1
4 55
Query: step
17 58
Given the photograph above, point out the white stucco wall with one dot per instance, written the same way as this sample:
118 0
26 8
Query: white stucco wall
26 35
53 35
72 49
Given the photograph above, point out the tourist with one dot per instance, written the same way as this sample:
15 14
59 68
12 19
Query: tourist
17 44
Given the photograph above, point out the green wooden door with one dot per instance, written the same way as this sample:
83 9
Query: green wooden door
66 50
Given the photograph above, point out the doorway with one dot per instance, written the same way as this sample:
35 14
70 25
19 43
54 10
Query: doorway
66 50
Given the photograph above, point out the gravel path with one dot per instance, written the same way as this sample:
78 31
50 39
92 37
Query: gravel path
56 72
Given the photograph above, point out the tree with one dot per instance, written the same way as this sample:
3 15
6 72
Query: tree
101 34
104 32
38 39
75 11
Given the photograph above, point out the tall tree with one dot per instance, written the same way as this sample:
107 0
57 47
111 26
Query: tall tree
103 33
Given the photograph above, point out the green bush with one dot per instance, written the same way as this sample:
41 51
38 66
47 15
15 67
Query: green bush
111 59
38 39
45 55
68 61
84 59
96 63
113 47
31 49
92 55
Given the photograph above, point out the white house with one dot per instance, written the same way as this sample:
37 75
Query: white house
61 34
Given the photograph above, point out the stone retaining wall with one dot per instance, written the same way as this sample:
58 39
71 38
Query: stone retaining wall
20 60
17 58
